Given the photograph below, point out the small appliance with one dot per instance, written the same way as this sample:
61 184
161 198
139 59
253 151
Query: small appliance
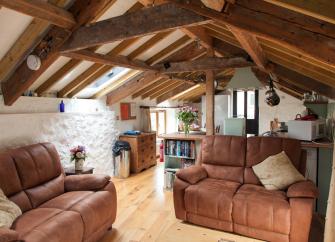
307 130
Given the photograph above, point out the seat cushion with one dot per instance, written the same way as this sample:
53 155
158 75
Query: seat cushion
52 225
258 208
66 200
211 198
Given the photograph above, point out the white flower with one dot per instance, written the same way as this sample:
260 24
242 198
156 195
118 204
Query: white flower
79 155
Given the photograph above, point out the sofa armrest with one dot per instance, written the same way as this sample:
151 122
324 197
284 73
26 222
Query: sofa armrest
8 235
304 189
86 182
192 174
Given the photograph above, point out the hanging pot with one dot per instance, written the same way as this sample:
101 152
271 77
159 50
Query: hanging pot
271 96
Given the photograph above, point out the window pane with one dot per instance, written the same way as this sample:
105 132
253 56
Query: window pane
251 104
240 104
153 121
161 123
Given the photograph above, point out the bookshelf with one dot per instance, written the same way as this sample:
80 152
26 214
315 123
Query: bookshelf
180 151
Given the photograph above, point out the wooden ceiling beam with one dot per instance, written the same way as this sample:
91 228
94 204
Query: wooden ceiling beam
20 49
23 77
119 60
214 4
143 22
174 92
256 17
131 86
42 10
320 9
203 64
149 88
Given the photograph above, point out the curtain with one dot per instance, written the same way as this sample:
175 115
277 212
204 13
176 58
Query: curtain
145 122
330 216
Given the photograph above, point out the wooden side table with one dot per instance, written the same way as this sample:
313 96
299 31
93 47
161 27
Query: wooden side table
69 171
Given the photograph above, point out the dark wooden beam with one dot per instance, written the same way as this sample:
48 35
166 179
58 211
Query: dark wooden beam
42 10
174 92
291 29
122 61
23 77
143 22
209 63
131 87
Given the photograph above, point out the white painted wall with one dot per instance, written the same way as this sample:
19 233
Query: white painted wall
285 111
87 122
222 110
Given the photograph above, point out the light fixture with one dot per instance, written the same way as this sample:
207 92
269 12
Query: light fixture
271 96
244 79
33 62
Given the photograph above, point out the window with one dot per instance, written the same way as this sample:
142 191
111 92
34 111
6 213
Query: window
158 121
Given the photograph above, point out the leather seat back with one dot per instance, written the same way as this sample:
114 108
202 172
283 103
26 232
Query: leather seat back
31 175
259 148
224 157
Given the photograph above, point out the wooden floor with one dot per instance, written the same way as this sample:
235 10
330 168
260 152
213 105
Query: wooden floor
145 213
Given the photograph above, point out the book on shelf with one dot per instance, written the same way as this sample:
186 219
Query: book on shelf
180 148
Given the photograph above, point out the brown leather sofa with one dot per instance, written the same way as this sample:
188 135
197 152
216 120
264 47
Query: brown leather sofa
55 208
224 193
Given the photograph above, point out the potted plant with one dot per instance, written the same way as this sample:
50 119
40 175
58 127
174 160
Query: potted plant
78 155
187 115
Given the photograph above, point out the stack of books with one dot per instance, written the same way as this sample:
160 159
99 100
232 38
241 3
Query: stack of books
180 148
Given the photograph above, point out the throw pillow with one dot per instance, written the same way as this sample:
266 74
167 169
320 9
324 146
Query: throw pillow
277 172
9 211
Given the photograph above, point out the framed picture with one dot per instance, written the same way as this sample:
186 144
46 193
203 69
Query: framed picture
128 111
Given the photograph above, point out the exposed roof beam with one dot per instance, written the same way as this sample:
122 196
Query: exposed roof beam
23 77
42 10
143 22
320 9
122 61
251 46
209 63
131 86
34 32
174 92
259 18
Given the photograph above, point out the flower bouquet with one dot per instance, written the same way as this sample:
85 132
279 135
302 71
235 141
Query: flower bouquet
78 154
187 115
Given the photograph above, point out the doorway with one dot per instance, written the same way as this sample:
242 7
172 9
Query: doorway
158 121
246 105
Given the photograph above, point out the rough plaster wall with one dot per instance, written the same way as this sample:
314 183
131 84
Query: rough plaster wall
32 120
95 131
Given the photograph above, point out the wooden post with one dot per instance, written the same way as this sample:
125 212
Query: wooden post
330 216
210 90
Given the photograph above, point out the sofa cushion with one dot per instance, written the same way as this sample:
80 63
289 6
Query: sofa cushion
277 172
260 148
224 157
40 172
52 225
258 208
9 211
211 198
66 200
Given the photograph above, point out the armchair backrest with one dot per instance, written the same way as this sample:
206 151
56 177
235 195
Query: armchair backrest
259 148
31 175
224 157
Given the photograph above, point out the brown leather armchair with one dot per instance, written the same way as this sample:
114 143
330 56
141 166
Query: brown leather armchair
55 208
224 193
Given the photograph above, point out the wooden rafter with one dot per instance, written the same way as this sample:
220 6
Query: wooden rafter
203 64
31 35
42 10
23 77
143 22
174 92
260 18
121 61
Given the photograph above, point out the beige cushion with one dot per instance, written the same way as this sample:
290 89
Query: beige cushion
277 172
9 211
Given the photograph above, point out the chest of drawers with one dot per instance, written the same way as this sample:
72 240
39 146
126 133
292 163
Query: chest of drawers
143 151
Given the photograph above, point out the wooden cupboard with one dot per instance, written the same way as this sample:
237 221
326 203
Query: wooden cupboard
143 151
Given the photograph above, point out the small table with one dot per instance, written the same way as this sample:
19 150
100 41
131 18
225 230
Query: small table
69 171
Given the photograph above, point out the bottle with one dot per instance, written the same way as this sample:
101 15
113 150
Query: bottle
62 107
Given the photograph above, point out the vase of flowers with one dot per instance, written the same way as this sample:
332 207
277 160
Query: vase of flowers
187 115
78 155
